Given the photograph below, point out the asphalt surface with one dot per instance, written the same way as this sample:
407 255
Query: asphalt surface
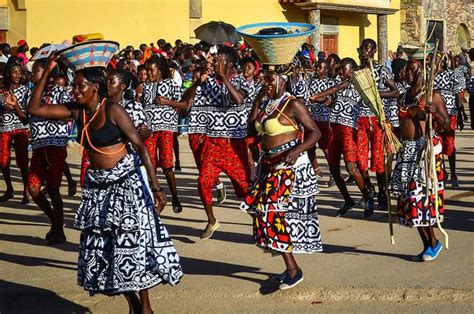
359 270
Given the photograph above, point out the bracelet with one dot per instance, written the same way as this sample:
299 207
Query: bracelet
154 190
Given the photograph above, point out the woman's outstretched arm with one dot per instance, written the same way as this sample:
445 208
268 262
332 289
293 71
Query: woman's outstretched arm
36 108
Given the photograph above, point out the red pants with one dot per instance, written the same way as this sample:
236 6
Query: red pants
343 143
326 134
47 165
448 138
223 155
163 142
20 145
369 130
196 143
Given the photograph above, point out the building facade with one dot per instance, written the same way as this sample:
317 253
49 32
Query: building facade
343 23
449 21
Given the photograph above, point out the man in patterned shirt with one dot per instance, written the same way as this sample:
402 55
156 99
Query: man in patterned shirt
369 130
14 126
343 117
48 138
161 101
225 148
449 85
320 111
197 131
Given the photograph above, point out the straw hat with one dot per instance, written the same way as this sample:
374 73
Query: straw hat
276 49
88 54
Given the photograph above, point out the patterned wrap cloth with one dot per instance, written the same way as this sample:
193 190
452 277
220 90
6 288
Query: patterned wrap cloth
282 201
408 183
123 247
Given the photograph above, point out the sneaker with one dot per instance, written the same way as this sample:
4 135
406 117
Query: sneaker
371 191
382 201
369 207
177 208
432 253
331 182
349 179
344 208
221 193
177 168
280 278
289 282
454 182
419 258
209 231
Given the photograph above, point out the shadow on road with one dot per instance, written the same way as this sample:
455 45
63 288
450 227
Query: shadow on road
194 266
18 298
32 261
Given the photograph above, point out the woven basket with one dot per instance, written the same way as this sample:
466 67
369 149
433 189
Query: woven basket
276 49
88 54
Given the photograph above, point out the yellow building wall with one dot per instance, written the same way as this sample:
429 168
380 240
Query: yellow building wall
241 12
353 28
130 22
17 22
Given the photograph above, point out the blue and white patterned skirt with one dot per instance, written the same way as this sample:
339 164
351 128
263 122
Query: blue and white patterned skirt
124 247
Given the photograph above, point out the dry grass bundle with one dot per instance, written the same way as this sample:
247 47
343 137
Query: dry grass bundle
364 81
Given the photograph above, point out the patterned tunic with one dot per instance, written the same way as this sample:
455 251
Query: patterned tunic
198 115
346 108
45 132
135 111
449 85
9 121
160 117
319 111
224 117
300 89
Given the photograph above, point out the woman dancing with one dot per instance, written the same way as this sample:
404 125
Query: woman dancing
123 248
282 199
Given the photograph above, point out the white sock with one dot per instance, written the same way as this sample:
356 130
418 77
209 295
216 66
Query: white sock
220 186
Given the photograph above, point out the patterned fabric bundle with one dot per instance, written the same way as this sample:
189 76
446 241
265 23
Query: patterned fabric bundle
124 247
409 184
283 202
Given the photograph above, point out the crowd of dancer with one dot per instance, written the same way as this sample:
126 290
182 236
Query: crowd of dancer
258 124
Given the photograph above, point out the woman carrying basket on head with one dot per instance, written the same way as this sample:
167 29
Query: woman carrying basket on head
123 247
282 199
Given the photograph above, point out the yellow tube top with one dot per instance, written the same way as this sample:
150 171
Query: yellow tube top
273 126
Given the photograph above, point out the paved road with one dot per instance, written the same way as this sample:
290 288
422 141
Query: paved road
359 271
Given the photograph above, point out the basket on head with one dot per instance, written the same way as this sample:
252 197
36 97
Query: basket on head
279 48
88 54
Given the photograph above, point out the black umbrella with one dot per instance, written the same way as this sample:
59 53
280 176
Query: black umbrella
217 33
